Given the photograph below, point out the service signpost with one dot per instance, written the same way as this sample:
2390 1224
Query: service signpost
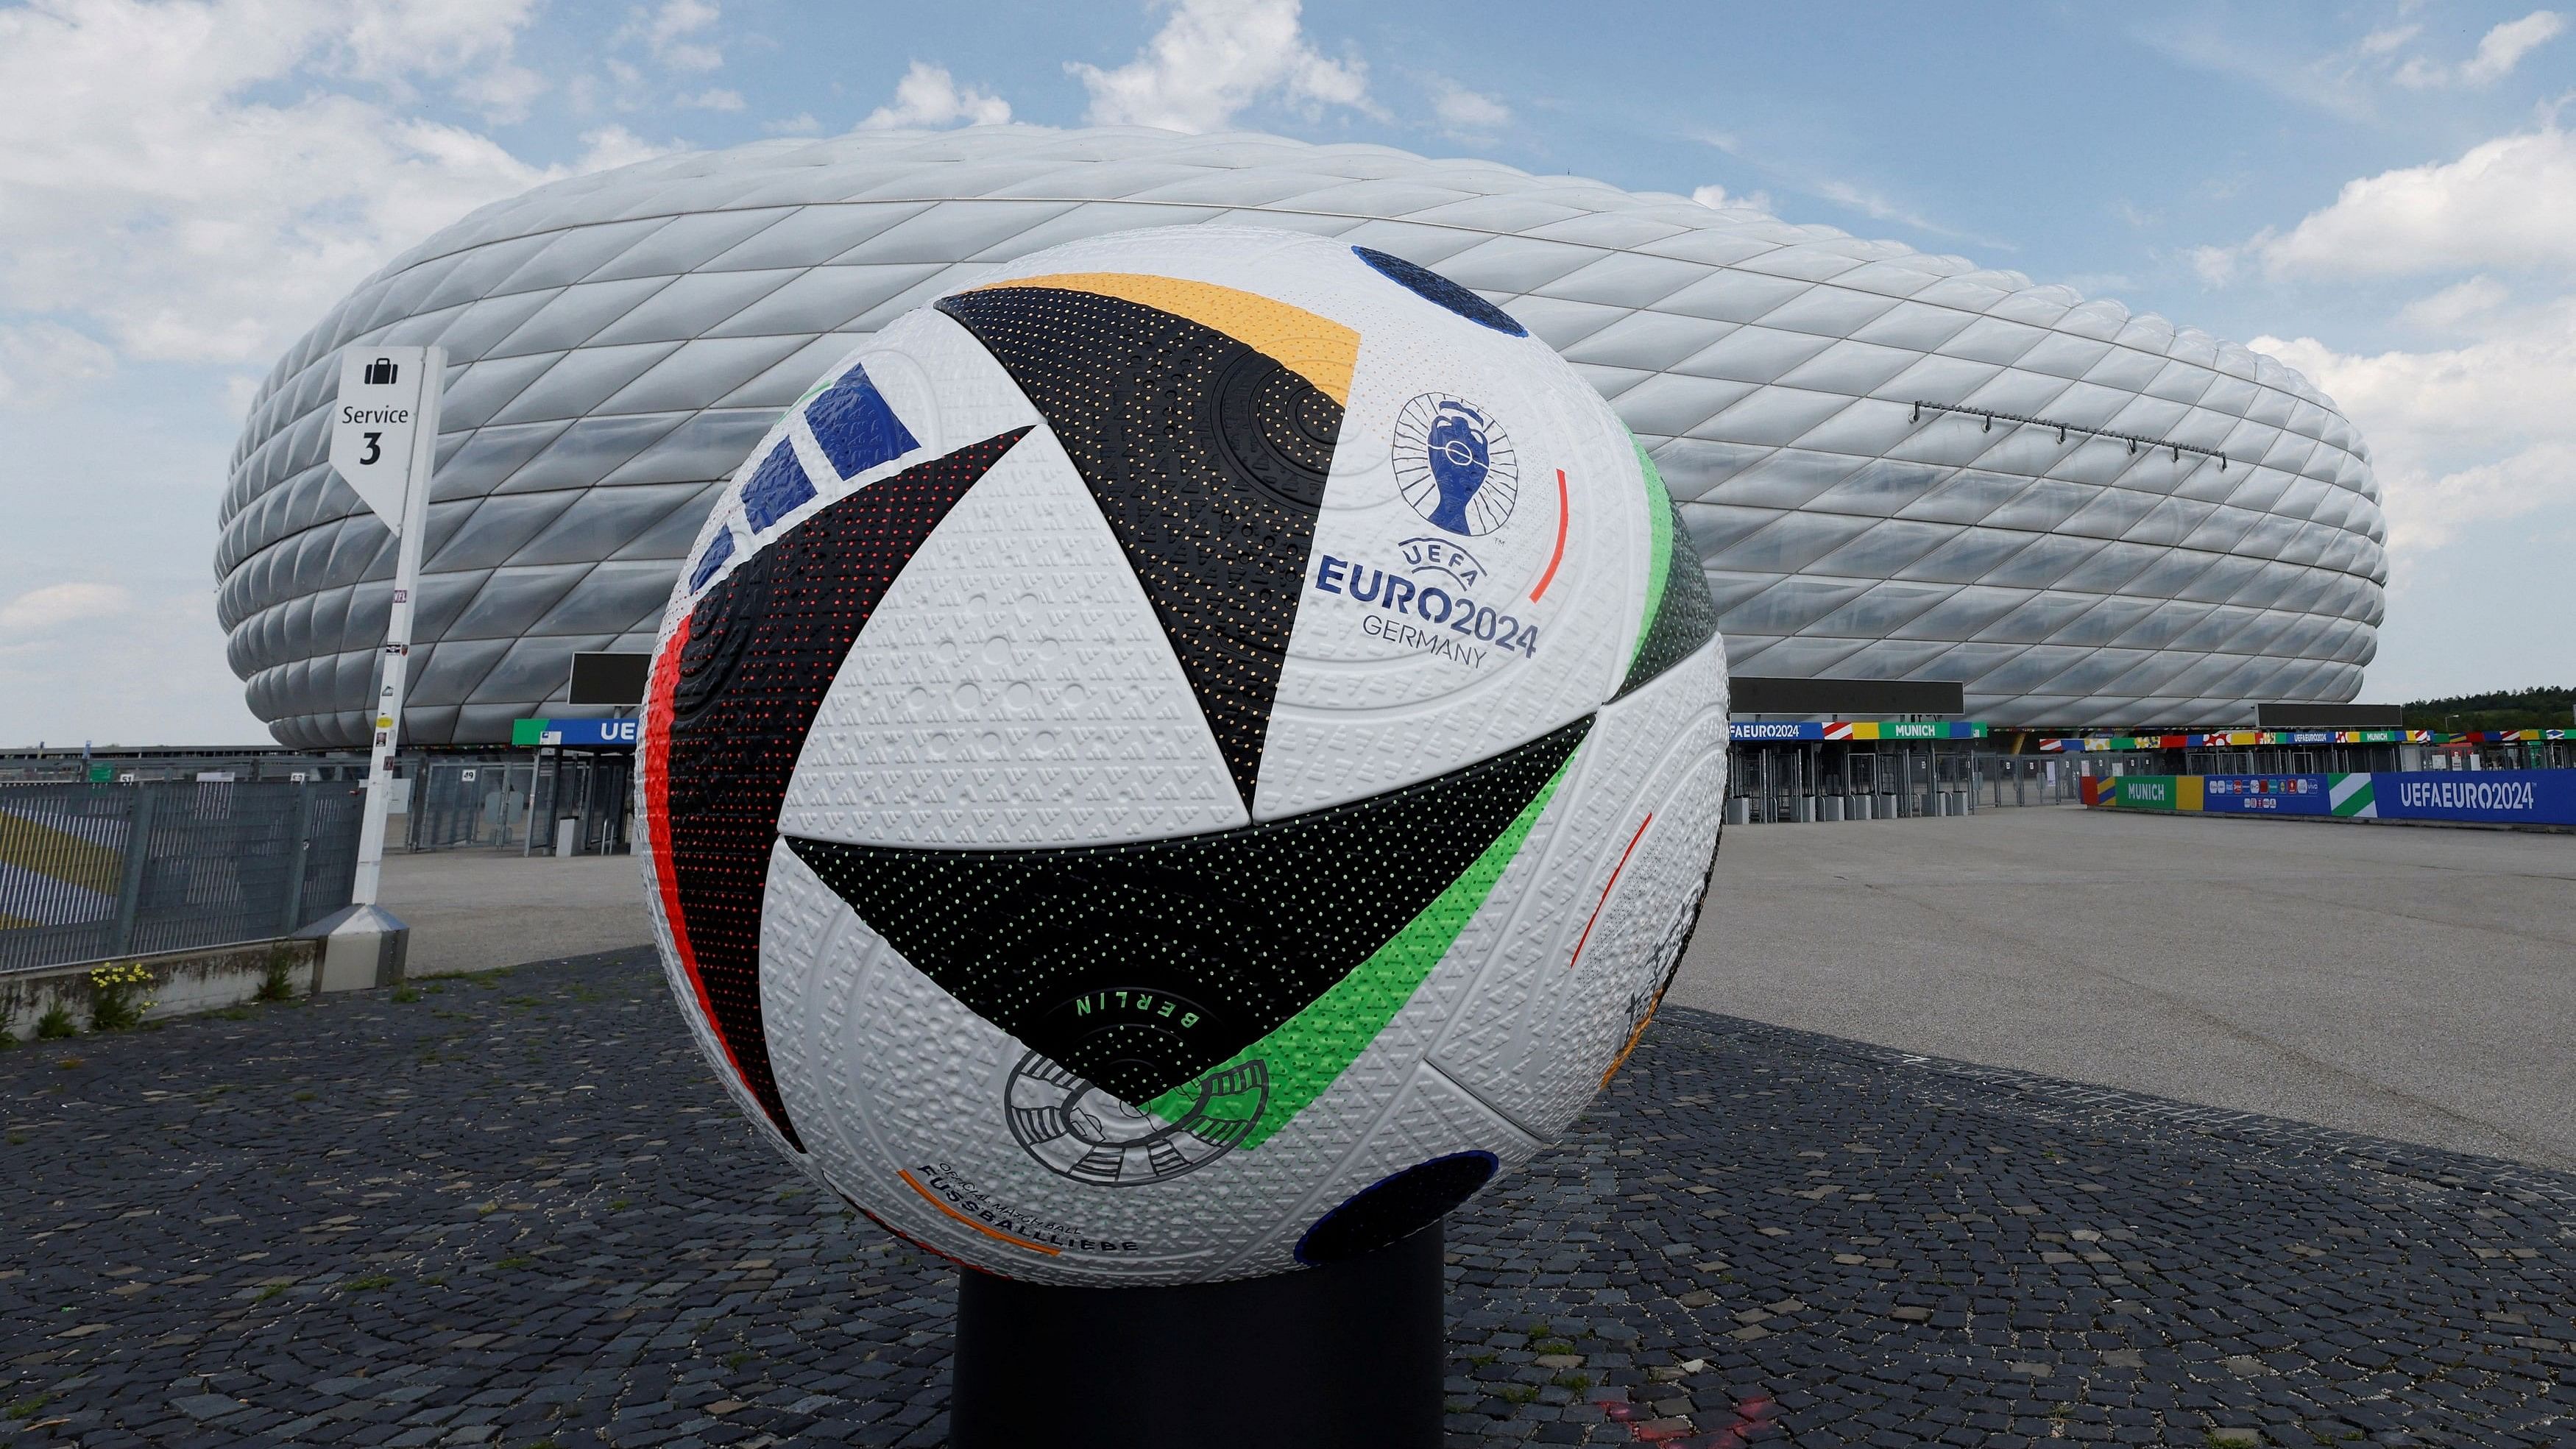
384 441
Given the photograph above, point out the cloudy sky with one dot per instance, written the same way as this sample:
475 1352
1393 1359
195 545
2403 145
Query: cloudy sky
2382 194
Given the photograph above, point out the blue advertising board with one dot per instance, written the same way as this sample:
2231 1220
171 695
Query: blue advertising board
593 734
2486 797
2498 797
2264 795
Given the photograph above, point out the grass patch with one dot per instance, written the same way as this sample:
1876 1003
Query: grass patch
55 1024
406 995
26 1408
1517 1393
265 1294
516 1260
1576 1382
367 1284
68 1063
273 983
306 1096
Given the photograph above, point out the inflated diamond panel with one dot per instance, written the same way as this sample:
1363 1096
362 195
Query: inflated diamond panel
619 342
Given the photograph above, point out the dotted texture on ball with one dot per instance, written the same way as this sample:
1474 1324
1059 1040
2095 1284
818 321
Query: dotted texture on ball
1208 457
1141 966
738 685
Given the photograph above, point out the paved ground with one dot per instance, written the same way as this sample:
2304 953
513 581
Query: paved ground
515 1210
471 910
2408 982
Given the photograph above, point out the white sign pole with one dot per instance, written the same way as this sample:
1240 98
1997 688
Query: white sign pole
384 441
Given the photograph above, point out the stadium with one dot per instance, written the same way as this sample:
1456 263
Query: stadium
1895 466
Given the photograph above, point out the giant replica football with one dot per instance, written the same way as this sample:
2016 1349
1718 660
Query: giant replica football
1182 760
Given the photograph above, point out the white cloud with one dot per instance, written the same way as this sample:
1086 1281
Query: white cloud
42 360
2381 42
41 611
1464 113
803 123
1214 58
712 100
1721 199
2509 203
613 146
2465 434
2504 47
1879 208
2499 51
676 34
929 97
2447 310
181 182
502 92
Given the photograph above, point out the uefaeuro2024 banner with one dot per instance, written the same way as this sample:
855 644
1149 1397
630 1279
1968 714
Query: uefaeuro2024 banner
2492 797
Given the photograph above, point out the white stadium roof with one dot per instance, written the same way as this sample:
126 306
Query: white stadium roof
618 342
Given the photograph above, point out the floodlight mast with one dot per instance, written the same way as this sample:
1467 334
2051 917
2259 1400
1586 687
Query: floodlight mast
410 526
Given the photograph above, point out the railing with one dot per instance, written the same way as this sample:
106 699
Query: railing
89 871
2134 440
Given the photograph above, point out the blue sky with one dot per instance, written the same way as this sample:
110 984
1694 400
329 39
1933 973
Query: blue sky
2381 194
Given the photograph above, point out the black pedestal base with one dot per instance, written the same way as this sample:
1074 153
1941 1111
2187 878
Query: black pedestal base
1345 1354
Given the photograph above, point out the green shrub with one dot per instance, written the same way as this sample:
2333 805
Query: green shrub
55 1024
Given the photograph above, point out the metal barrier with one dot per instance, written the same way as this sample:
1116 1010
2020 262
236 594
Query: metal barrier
89 872
470 802
1769 784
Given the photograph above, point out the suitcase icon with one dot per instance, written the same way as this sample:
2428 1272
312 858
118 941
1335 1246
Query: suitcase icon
380 373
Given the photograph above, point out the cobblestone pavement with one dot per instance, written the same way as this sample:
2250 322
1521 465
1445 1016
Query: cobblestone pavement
514 1210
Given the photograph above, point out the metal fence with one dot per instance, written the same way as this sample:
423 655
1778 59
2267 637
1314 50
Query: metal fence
1774 784
518 804
89 872
474 802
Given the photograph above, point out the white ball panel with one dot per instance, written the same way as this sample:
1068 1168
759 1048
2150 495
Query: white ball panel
888 1075
1013 688
1424 1116
1539 1028
1385 691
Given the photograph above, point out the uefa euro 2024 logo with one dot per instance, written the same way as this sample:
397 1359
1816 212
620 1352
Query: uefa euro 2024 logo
1454 464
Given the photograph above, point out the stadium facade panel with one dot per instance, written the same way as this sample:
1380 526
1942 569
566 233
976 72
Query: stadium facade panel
2137 523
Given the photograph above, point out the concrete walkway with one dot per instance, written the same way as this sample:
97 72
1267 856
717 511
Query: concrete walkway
472 910
2404 982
